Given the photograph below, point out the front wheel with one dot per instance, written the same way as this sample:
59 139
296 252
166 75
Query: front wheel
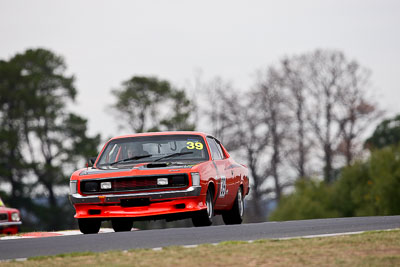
204 217
235 215
89 226
122 224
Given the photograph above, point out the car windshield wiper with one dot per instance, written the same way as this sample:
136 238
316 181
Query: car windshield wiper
173 155
131 158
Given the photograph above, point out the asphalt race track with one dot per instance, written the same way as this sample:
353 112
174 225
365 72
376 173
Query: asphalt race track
25 248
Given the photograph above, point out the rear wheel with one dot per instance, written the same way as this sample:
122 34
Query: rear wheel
235 215
89 226
204 217
122 224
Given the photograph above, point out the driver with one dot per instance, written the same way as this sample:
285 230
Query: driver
135 150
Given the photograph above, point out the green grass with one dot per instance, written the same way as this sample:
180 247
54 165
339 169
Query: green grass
378 248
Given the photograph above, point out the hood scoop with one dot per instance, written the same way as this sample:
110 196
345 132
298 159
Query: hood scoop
157 165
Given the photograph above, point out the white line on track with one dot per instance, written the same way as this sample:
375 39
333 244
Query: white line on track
285 238
191 246
18 259
321 235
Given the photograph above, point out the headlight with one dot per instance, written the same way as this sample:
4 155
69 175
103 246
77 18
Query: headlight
195 178
15 217
73 187
162 181
91 187
105 185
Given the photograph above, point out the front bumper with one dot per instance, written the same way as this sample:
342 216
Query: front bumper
192 191
9 224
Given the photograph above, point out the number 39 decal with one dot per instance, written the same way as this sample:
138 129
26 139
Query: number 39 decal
192 145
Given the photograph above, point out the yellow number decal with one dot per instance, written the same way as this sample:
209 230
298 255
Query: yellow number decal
190 145
197 145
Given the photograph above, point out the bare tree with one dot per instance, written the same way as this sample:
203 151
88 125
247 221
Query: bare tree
310 108
358 112
325 71
272 102
338 107
219 94
292 71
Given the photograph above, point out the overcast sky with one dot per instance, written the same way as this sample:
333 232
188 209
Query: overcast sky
107 42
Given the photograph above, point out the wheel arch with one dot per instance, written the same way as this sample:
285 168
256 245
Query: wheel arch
212 187
242 187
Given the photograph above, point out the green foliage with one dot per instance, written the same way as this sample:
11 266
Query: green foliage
182 109
373 187
386 133
40 139
148 104
384 169
350 190
75 129
12 166
310 200
364 189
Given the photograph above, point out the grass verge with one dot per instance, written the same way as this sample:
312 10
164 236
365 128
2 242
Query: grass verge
378 248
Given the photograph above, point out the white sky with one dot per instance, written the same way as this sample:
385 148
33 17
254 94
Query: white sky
107 42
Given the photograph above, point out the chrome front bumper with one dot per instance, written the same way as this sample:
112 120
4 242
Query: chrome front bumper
192 191
8 224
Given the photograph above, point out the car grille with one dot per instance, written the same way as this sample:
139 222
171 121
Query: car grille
134 183
3 217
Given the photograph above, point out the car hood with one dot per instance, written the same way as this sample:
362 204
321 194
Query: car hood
7 210
140 166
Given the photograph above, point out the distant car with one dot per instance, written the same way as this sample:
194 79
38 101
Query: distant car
10 220
164 175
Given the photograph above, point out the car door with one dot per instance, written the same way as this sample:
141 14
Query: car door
223 177
230 172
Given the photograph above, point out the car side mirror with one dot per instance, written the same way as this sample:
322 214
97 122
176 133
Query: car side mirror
92 160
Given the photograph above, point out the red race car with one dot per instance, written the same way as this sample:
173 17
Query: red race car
10 220
165 175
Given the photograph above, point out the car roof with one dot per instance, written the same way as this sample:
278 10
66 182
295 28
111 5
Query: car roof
162 133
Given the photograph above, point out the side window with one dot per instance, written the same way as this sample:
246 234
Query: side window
215 152
220 149
113 153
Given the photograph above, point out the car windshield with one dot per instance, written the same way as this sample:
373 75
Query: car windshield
154 148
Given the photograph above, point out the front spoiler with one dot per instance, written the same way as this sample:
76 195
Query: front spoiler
192 191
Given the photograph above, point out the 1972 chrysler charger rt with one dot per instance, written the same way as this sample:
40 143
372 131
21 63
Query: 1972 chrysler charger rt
164 175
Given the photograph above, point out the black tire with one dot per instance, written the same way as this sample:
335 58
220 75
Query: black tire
122 224
235 215
89 226
204 217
